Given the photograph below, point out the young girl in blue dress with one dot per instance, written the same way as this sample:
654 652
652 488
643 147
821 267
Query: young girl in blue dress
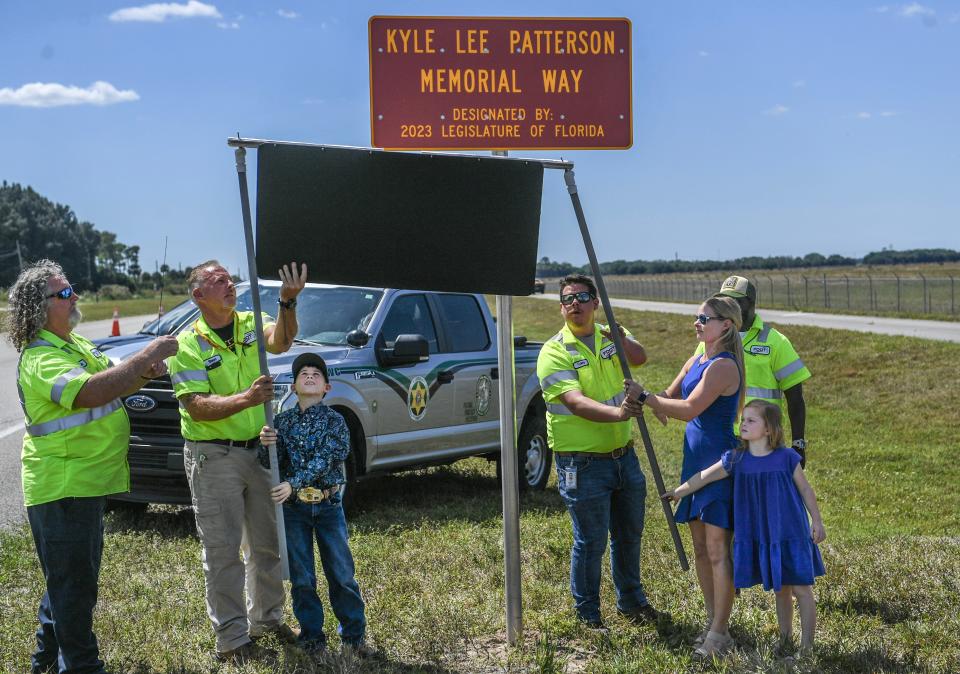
774 542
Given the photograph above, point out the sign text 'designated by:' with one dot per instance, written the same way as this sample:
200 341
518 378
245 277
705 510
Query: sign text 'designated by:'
482 83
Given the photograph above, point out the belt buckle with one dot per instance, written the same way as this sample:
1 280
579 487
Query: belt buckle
618 452
310 495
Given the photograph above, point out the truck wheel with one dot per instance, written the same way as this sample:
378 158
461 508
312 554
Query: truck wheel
533 454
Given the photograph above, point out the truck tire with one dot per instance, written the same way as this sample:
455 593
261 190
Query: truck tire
534 457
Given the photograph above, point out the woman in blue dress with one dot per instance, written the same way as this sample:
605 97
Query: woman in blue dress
775 545
708 394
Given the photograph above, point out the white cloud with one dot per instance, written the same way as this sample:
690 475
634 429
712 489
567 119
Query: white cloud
799 84
889 113
51 94
228 25
864 115
915 9
161 11
288 14
703 53
778 109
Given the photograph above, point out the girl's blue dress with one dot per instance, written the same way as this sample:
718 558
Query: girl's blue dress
771 542
706 438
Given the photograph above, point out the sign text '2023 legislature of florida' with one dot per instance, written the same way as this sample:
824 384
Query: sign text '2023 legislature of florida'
488 83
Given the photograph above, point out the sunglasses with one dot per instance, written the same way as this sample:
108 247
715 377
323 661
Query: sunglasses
703 319
581 297
64 294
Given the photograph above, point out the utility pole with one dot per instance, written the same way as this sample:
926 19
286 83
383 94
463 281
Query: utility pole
19 256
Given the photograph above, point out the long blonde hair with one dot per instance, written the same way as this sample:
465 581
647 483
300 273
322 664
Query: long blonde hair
727 308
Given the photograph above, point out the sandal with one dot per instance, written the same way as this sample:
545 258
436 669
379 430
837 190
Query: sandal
715 644
703 633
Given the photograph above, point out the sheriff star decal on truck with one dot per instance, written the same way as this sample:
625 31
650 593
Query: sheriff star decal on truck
417 396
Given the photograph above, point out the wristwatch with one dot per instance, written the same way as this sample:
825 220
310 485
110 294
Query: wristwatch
642 398
289 304
800 444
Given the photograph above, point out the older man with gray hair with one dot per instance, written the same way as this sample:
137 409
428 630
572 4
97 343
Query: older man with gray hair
74 454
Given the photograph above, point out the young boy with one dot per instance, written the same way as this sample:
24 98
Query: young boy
312 442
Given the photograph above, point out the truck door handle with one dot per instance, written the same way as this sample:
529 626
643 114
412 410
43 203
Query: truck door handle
495 373
445 377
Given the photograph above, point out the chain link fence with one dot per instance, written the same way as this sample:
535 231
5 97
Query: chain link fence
886 293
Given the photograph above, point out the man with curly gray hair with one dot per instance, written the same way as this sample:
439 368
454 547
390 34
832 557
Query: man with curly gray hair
74 454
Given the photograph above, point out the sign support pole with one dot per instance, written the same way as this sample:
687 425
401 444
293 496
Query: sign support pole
241 154
618 341
509 468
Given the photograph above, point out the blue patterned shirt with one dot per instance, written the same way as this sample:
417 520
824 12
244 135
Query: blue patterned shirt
311 446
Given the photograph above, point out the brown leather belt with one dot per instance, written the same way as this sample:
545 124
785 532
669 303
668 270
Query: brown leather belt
612 454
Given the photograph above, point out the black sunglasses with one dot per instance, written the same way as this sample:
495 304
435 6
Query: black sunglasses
64 294
703 319
581 297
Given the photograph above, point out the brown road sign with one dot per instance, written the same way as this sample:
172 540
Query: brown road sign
490 83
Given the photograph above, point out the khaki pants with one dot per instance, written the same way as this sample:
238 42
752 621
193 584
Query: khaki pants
231 498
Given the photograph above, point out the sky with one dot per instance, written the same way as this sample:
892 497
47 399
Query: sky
759 128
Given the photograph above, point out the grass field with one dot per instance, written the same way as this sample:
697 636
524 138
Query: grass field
881 418
96 311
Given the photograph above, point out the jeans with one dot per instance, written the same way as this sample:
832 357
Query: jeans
325 522
68 535
608 496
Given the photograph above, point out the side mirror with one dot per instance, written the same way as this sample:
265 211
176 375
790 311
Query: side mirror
357 338
406 350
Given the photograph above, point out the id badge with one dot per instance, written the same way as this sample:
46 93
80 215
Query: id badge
570 477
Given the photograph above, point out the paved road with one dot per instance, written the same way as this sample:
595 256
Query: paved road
939 330
12 511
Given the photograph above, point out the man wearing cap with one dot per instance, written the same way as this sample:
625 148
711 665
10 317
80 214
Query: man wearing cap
312 443
598 474
774 370
216 378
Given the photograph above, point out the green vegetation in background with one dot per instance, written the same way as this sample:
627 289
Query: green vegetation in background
881 417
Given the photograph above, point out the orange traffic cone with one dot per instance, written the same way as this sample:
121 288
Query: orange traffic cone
115 330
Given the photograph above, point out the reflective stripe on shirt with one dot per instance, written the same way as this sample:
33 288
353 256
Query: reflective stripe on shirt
189 375
769 393
788 370
56 393
74 420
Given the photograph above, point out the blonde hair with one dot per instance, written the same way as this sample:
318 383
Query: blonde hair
773 419
728 309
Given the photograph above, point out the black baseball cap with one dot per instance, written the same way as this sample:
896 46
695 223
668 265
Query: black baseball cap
312 359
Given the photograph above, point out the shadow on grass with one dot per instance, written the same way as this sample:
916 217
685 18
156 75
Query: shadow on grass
166 522
863 660
889 613
439 495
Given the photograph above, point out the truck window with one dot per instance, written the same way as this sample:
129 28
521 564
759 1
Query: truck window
410 315
463 323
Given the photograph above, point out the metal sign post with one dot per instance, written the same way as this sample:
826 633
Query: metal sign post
241 154
618 342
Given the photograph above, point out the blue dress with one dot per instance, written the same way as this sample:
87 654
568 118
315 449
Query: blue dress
772 543
706 438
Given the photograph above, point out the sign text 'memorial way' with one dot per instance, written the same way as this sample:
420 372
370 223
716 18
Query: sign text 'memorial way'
469 83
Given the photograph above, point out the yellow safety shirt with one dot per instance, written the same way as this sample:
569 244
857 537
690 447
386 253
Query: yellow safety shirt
566 364
204 364
771 362
68 452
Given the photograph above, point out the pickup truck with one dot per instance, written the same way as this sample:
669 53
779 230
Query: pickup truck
413 372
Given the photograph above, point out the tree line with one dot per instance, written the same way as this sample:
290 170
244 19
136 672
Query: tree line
90 257
550 268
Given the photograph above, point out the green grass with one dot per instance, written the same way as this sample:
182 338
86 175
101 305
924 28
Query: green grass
137 306
427 544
